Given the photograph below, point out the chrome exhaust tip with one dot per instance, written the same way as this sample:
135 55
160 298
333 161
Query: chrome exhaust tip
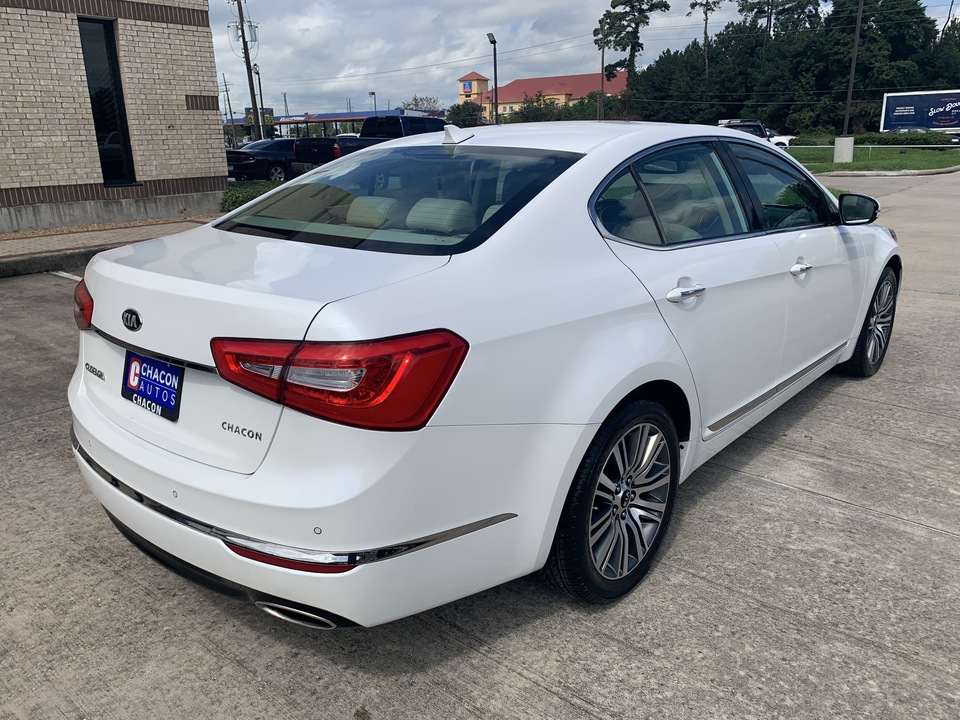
297 616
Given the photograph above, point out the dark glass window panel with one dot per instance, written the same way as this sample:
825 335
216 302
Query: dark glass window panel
100 59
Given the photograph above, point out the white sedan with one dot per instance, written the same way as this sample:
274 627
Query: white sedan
448 361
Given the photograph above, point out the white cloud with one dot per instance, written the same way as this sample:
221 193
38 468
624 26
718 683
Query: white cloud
326 54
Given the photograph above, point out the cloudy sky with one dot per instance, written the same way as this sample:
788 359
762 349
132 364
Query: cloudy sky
328 55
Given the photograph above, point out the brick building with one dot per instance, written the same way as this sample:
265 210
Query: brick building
110 112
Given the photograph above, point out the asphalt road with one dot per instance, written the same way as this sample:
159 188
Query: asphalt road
812 569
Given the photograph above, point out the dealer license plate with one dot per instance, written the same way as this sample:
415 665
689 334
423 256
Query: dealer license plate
154 385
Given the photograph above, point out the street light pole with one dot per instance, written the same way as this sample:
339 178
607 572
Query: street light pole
496 98
256 71
373 94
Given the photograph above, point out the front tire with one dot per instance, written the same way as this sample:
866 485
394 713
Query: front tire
619 505
877 328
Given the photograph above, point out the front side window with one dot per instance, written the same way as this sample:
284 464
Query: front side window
422 200
99 47
686 189
788 199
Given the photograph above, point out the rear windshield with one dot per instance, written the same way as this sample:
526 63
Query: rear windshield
423 200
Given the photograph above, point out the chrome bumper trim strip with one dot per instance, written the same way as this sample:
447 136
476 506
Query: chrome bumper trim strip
318 557
150 353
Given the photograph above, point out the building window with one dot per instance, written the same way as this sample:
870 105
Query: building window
99 46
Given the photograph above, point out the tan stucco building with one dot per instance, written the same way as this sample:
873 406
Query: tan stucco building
558 89
110 112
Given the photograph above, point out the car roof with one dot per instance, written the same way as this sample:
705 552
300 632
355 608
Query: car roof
576 136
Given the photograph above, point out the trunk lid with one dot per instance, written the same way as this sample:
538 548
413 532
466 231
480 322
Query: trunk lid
189 288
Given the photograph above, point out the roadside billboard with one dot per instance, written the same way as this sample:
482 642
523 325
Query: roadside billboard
937 110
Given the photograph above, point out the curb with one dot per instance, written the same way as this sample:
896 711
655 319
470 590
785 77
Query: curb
890 173
48 262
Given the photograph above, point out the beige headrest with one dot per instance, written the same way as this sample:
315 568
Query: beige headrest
442 216
370 212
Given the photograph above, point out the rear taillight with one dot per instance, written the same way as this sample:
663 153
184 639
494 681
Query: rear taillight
336 150
82 306
390 384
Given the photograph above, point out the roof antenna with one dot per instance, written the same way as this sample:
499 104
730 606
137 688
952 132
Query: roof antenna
452 135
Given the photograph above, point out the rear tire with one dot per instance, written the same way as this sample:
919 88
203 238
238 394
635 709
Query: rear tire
619 505
276 173
877 328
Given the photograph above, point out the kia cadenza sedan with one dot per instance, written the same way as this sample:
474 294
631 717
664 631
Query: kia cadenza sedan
448 361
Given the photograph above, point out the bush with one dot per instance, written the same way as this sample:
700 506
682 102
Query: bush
812 139
908 138
931 138
243 191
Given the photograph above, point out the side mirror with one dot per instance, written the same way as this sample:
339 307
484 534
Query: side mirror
858 209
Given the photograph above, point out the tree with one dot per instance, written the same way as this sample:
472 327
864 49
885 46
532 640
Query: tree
619 29
759 10
535 109
468 114
707 6
424 104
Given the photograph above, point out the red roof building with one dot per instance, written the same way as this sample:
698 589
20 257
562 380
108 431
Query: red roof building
561 89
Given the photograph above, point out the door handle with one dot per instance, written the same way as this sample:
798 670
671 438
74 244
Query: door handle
680 294
800 268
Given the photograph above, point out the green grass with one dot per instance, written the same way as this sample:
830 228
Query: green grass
243 191
820 159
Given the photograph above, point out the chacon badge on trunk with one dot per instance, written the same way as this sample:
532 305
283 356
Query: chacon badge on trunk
131 320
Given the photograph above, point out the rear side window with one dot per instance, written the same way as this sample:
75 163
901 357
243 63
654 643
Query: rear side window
679 194
423 200
382 127
788 199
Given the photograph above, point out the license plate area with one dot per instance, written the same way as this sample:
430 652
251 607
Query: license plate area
152 384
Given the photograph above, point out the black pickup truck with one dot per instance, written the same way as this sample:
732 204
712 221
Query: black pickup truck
381 128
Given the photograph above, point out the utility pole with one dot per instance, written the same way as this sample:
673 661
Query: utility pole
947 22
257 120
233 128
286 108
853 69
603 71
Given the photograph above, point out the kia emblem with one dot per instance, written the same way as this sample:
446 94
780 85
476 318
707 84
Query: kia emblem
131 320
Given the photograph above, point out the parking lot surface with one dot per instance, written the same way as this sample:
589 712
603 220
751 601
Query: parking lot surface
811 569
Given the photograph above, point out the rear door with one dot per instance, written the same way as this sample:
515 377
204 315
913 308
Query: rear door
674 218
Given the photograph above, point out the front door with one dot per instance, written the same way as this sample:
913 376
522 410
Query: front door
824 261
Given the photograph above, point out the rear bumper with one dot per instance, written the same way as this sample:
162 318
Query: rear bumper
449 512
224 586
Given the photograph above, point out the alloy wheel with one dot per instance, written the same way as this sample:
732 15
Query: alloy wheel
630 500
881 321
